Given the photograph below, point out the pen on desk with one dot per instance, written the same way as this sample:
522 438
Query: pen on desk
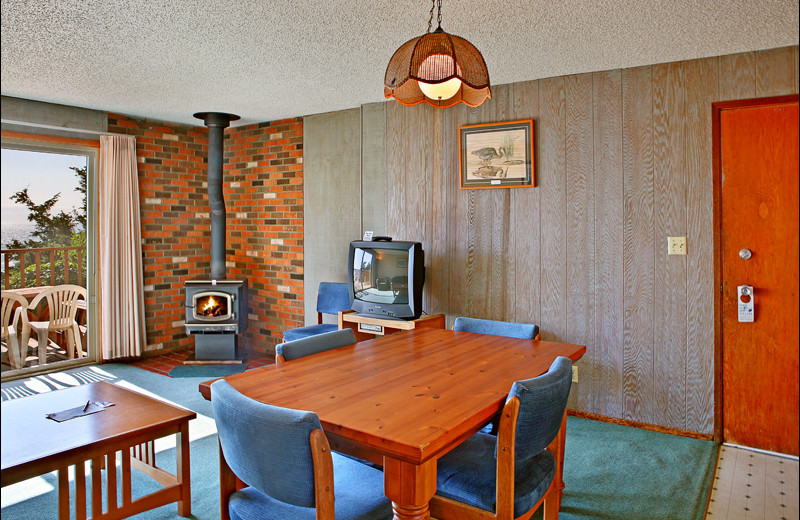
87 406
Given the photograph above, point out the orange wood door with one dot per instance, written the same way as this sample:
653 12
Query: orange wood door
759 198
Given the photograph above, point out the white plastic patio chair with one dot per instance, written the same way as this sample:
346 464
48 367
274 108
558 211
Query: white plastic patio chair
14 310
62 305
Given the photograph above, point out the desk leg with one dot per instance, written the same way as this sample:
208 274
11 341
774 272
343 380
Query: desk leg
183 471
227 486
410 488
63 493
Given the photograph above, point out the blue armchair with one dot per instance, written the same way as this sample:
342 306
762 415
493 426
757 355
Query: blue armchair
313 344
512 474
332 297
286 461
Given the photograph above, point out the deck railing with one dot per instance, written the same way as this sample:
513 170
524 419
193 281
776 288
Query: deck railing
42 266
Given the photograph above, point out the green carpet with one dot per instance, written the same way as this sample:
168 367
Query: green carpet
611 472
618 472
207 371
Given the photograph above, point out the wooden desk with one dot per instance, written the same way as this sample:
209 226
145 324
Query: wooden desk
33 445
402 400
367 327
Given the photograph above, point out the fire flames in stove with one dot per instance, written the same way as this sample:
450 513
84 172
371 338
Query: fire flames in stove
211 307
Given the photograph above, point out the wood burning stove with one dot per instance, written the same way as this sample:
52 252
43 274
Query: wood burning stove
216 313
216 309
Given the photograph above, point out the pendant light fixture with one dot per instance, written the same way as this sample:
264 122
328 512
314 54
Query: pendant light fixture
437 68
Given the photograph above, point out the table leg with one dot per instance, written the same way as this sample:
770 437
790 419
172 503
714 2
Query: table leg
183 471
410 487
227 486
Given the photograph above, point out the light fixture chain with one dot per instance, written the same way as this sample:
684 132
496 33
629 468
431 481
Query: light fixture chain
439 16
430 20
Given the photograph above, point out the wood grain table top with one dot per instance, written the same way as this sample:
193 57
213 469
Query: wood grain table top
408 395
30 438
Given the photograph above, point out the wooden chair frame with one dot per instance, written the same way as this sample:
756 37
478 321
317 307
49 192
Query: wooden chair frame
444 508
323 474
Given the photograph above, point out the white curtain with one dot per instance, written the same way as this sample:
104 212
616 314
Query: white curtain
122 325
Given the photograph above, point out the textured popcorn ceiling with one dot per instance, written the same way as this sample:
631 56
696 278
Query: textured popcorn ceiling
271 59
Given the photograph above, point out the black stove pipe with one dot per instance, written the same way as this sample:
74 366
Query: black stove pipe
216 122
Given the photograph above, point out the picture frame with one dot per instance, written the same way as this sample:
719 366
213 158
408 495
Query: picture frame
497 155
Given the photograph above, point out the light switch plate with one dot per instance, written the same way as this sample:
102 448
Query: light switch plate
676 245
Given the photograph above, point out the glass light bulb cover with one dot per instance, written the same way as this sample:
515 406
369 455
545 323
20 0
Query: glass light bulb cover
444 90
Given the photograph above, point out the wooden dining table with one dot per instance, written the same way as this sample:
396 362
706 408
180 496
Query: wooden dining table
403 400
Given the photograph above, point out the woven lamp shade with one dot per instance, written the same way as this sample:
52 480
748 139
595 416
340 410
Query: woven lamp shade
437 57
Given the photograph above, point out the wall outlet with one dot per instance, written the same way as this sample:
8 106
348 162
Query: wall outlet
676 245
574 374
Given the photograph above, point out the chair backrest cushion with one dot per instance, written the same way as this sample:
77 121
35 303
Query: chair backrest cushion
543 401
333 297
497 328
314 344
266 446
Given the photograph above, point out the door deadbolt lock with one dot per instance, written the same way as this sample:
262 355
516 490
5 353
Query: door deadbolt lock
745 304
745 254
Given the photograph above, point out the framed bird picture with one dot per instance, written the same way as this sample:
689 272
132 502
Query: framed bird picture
497 155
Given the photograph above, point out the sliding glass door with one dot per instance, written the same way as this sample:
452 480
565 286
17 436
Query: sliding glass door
47 249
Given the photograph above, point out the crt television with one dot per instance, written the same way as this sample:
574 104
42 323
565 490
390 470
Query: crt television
386 278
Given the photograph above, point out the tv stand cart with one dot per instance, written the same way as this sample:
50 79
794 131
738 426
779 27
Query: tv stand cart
367 327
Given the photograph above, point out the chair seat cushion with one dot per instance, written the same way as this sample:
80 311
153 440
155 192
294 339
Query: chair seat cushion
311 330
468 474
357 487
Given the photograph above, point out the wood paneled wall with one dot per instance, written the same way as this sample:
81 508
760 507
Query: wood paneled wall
623 160
332 191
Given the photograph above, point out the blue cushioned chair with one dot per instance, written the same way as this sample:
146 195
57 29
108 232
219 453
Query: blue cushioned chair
314 344
284 458
332 297
510 475
497 328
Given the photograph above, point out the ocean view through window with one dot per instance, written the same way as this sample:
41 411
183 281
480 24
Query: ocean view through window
44 175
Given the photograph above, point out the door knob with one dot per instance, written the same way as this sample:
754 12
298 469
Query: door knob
745 254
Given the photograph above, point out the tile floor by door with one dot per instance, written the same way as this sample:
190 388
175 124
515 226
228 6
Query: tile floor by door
752 485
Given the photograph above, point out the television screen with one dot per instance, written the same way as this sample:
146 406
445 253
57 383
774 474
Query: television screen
386 278
381 276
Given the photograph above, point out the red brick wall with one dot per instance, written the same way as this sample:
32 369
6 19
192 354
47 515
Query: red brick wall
264 200
263 189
